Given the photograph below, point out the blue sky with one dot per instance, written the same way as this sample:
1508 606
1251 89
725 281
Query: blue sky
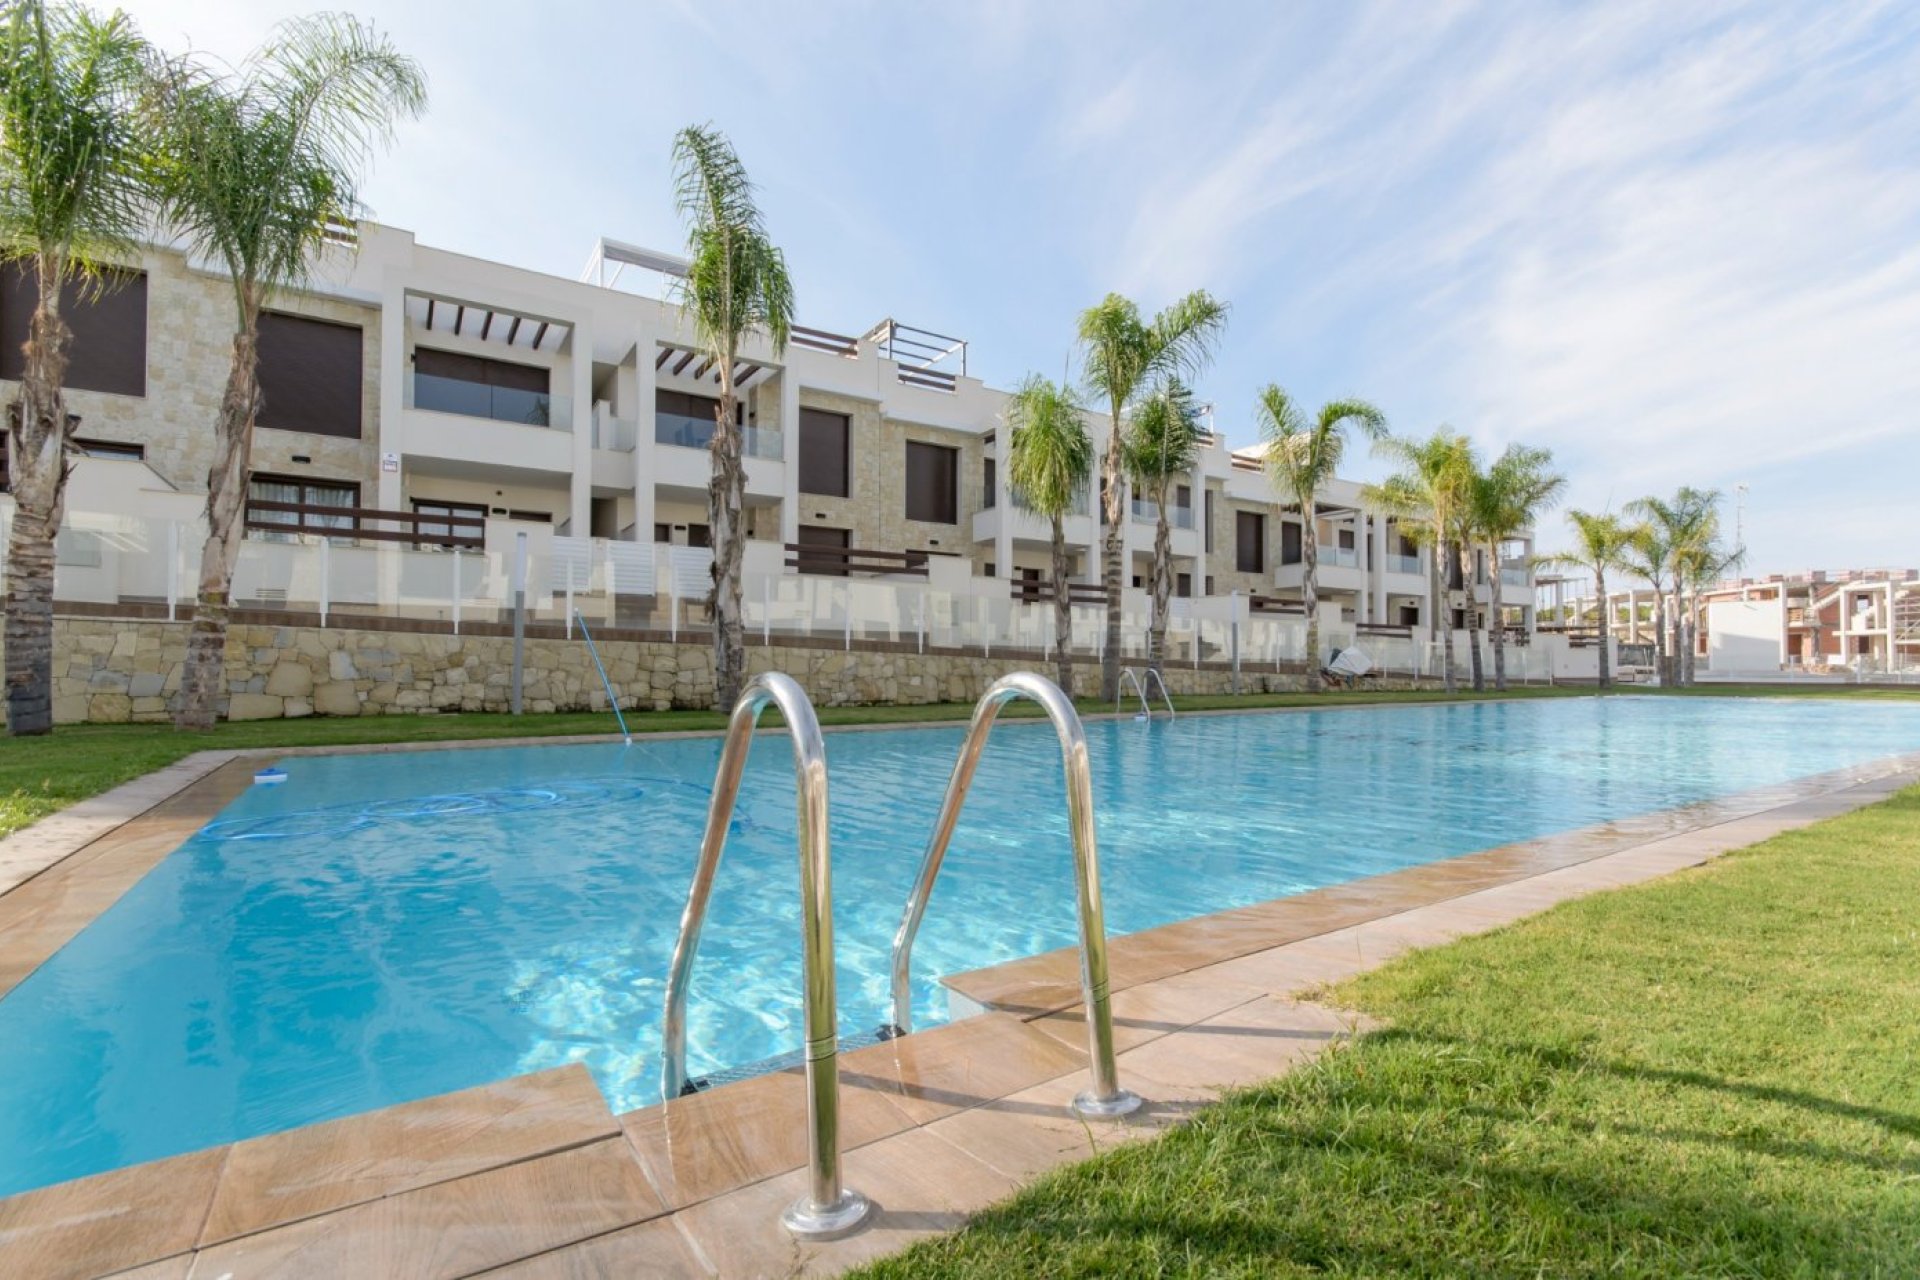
1676 243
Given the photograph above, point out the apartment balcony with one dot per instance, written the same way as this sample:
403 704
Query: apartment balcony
1516 581
1404 574
1339 569
1029 528
461 422
684 459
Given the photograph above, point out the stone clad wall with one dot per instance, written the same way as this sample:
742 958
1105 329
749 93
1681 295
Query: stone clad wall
111 671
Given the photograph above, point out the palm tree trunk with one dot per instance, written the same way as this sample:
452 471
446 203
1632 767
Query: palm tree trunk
1475 618
1673 621
1499 622
1310 590
1110 565
1606 631
1442 623
36 452
726 509
1062 609
201 684
1162 580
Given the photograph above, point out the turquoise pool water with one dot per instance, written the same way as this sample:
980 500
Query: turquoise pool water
386 927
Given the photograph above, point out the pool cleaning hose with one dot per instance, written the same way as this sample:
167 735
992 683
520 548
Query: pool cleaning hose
612 699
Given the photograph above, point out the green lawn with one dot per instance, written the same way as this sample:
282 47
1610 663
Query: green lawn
1717 1074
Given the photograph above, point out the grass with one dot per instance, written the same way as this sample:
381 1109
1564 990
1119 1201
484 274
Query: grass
1712 1075
42 776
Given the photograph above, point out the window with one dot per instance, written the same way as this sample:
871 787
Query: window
1409 615
933 483
449 382
1183 585
295 491
699 535
433 533
823 453
113 450
1345 538
663 533
815 535
1290 552
310 375
532 517
990 569
109 347
1209 584
1208 500
988 489
1183 497
1250 541
688 420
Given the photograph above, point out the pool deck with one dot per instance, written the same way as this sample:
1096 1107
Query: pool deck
536 1177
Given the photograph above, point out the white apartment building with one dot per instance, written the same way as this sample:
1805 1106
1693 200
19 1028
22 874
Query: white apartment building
429 399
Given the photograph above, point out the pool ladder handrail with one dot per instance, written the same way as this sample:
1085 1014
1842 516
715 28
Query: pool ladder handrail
1106 1099
827 1209
1153 677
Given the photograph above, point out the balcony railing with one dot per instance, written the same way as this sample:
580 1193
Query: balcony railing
1148 512
438 394
618 434
1397 563
1511 577
1340 557
1078 507
689 432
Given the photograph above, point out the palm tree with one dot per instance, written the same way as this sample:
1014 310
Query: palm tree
72 198
1163 441
736 283
1509 496
260 168
1602 543
1702 563
1125 356
1428 496
1302 456
1649 554
1678 529
1049 460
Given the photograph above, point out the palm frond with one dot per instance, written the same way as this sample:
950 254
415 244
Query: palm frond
1050 451
737 279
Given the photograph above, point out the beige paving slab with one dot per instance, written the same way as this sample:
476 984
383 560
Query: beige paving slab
920 1186
659 1248
284 1177
1241 1047
453 1228
1141 1013
709 1143
111 1221
959 1065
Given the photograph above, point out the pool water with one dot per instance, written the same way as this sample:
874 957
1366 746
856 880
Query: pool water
381 928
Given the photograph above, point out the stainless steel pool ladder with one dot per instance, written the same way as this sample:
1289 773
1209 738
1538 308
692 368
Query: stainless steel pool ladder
1153 676
827 1209
1106 1098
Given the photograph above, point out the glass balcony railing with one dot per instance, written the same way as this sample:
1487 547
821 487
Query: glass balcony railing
1078 507
1397 563
1340 557
1513 577
618 434
1147 512
440 394
688 432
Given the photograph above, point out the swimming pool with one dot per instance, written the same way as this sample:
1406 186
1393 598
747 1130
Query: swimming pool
387 927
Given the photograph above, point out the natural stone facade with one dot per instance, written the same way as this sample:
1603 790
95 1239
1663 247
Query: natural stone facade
876 509
113 670
189 348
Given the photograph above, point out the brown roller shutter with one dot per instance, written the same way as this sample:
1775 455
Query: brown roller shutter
109 348
310 375
823 453
933 483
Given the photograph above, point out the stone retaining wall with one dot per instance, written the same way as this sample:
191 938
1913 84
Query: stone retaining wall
111 671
